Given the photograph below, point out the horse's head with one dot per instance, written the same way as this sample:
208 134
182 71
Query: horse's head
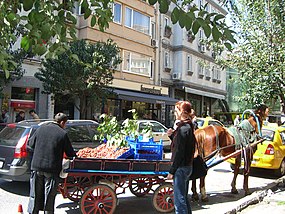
261 113
256 124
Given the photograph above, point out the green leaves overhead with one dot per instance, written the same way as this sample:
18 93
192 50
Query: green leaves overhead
216 33
175 15
196 27
163 6
152 2
28 4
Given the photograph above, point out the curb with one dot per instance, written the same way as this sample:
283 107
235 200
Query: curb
256 196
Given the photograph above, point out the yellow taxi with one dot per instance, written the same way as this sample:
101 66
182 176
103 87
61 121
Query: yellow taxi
271 153
203 122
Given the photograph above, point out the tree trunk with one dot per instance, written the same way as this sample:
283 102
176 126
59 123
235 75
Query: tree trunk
282 103
83 107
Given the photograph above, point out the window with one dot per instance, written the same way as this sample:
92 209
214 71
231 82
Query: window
128 17
166 21
201 35
282 135
200 70
153 30
189 63
136 63
23 93
207 71
214 73
137 21
166 59
268 134
218 74
216 123
117 13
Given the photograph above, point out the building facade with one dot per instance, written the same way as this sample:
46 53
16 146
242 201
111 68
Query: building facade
161 64
187 66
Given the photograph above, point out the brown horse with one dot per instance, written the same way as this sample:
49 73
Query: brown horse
216 140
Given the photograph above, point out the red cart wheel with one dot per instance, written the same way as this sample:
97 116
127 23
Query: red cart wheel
140 186
99 199
75 187
162 199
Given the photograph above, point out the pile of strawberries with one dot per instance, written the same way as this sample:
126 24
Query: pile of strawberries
102 151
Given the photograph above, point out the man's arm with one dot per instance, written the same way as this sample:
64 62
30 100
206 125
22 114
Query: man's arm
68 149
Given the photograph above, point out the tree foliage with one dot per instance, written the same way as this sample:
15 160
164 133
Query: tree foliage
83 72
17 56
44 25
260 52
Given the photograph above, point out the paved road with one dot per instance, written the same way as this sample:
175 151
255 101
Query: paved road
217 184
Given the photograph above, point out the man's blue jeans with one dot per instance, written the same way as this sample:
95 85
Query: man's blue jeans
181 186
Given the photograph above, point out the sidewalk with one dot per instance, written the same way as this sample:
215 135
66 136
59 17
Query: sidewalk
270 200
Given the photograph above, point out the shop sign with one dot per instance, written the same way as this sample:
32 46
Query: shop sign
22 104
150 90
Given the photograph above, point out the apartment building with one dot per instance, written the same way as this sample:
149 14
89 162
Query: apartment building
135 84
188 66
161 64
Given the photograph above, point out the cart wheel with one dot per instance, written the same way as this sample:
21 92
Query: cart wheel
75 187
140 186
98 199
162 199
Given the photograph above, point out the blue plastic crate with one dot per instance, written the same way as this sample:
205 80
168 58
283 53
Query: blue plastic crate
146 150
127 155
148 156
140 139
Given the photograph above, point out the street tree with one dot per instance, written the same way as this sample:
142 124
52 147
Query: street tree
260 52
17 56
45 27
83 72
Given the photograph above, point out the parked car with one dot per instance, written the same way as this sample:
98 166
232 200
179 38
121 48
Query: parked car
271 153
203 122
158 131
14 157
2 126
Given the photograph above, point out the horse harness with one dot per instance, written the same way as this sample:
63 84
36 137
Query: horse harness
244 134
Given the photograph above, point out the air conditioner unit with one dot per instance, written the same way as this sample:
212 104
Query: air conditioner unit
202 48
176 76
154 43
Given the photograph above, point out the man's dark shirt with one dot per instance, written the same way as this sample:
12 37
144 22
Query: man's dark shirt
49 143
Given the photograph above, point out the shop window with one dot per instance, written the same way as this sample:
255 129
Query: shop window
23 93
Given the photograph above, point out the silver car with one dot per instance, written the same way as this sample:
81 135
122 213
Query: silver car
158 131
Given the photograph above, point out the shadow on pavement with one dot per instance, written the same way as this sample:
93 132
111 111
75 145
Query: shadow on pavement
18 188
132 204
69 208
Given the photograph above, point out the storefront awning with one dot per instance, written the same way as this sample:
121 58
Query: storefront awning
204 93
23 104
142 97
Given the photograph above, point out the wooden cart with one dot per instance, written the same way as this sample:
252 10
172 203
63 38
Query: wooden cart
95 183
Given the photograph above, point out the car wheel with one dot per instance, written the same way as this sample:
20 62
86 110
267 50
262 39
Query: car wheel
281 170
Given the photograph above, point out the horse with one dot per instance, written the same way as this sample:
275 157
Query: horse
216 140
